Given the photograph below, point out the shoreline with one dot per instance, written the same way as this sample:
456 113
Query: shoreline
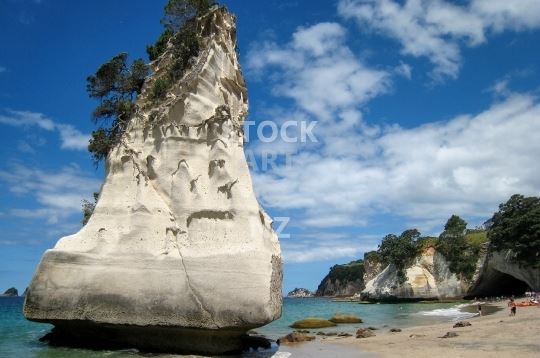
491 335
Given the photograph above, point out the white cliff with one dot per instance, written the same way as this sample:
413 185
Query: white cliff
178 255
429 277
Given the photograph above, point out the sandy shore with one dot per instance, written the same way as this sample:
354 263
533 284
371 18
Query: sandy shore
495 335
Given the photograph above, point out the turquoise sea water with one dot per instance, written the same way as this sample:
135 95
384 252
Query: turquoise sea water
20 338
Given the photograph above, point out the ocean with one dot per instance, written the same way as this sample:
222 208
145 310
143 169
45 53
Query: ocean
20 338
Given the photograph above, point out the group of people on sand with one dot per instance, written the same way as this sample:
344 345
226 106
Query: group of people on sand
512 304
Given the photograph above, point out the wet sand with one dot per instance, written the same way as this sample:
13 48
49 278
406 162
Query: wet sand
320 349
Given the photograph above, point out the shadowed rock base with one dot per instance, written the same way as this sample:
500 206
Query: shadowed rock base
89 335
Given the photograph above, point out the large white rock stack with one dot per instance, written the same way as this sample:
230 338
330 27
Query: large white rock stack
178 255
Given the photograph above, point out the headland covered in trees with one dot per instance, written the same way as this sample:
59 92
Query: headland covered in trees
500 258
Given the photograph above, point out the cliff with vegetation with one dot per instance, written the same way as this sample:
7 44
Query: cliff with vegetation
501 259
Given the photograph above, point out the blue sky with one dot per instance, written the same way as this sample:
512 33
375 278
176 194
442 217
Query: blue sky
424 109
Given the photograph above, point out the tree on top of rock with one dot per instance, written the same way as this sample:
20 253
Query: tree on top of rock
177 12
115 85
399 250
452 244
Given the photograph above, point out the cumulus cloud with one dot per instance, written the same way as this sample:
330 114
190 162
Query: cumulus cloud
467 165
436 29
318 71
58 194
358 171
70 137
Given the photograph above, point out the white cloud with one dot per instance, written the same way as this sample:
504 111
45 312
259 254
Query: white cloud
71 138
58 194
318 71
27 119
436 29
325 247
466 166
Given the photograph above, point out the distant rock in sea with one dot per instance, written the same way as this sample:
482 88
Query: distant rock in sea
300 293
11 292
178 255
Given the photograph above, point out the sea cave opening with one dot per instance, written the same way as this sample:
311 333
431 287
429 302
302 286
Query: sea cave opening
499 284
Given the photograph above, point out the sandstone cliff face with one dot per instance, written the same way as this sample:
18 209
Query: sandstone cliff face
372 266
429 277
177 241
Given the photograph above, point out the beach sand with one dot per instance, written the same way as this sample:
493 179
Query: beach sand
493 335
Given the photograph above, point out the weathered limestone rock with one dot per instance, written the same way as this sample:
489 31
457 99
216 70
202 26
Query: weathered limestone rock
429 277
499 274
178 255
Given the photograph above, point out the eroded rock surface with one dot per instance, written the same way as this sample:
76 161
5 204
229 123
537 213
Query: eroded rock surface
429 277
178 255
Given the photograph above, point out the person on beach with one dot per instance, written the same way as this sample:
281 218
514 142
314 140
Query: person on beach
479 309
512 306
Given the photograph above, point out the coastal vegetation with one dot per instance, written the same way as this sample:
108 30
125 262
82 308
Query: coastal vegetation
181 33
461 254
514 231
399 250
516 227
116 84
460 247
342 278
